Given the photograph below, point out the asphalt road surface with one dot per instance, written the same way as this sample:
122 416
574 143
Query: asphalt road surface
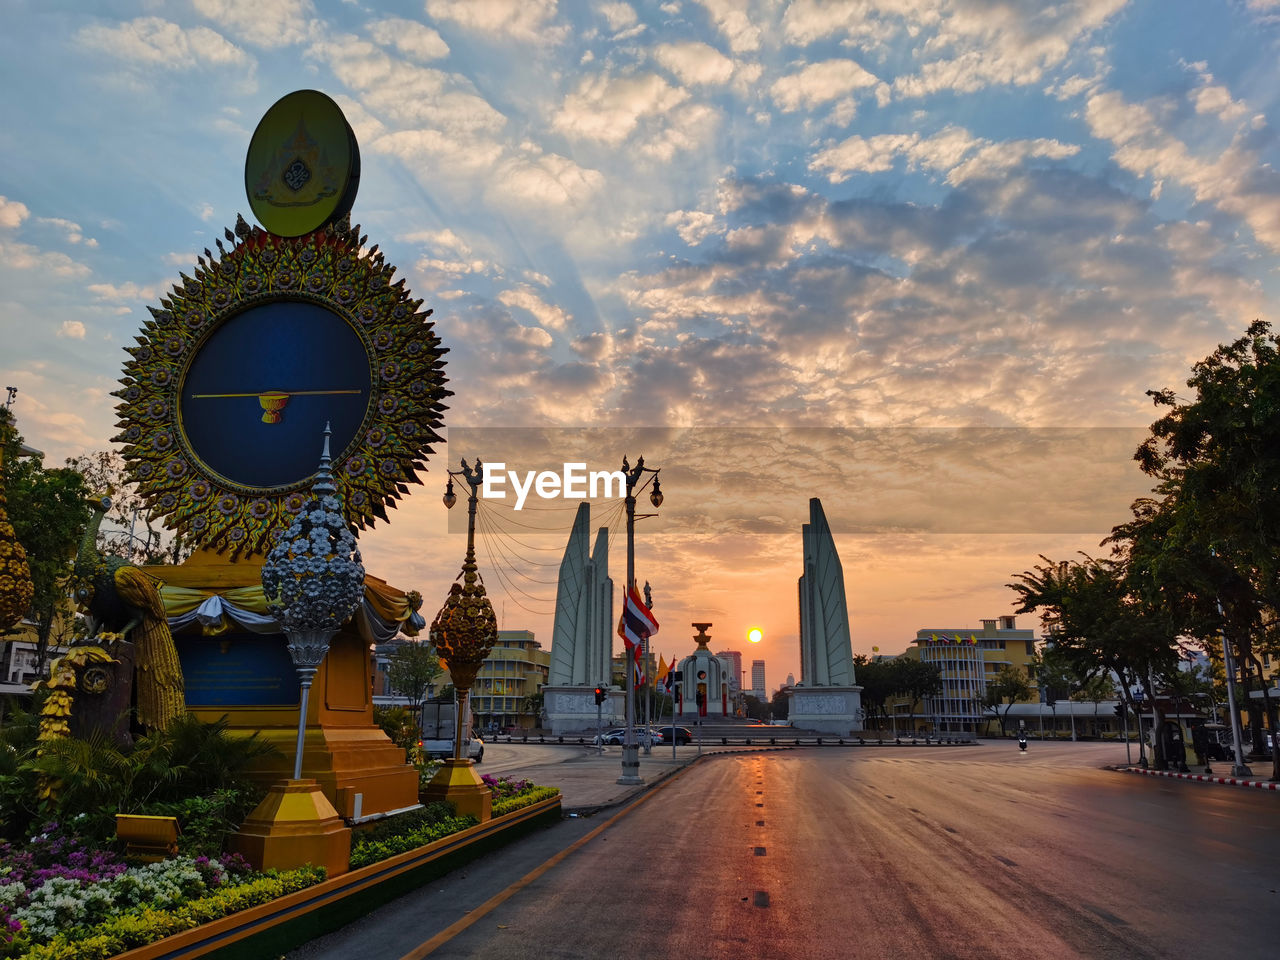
961 852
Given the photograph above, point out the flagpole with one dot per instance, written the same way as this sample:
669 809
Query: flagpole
648 683
633 476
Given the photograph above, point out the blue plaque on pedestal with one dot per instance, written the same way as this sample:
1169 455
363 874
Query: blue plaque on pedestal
238 670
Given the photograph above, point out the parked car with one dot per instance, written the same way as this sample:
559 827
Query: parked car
618 735
681 735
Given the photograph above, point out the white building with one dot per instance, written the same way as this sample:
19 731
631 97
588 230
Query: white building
758 687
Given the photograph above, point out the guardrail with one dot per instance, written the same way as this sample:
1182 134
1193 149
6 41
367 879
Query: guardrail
812 740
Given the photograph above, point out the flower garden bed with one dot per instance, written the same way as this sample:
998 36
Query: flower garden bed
59 901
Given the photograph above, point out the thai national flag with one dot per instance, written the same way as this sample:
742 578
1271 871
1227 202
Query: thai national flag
635 626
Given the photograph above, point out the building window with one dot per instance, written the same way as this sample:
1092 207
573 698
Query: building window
1031 648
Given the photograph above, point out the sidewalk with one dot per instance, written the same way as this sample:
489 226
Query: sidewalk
1255 781
588 783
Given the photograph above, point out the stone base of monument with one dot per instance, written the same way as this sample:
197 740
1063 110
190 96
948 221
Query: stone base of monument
834 710
294 825
572 710
457 782
359 768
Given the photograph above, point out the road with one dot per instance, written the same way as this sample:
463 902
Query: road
879 853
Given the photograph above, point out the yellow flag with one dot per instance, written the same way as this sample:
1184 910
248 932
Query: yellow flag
662 671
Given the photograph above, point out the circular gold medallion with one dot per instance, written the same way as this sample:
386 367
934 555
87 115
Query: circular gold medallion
303 165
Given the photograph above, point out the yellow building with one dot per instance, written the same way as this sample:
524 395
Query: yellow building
967 659
515 671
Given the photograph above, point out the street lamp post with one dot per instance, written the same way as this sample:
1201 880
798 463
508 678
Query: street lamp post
636 482
1138 697
464 631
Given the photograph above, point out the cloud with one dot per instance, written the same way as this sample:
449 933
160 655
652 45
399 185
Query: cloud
695 63
115 293
410 38
953 151
12 213
820 83
524 297
528 21
23 256
151 41
963 45
545 181
1233 178
693 226
71 330
609 109
734 24
619 16
444 239
72 231
278 23
999 304
405 94
1214 98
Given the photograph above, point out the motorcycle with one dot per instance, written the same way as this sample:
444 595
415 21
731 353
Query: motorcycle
1022 743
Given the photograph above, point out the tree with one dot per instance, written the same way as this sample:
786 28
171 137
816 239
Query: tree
1056 676
781 704
1094 690
48 511
531 705
1218 457
876 679
915 679
414 666
756 709
1102 618
129 531
1009 684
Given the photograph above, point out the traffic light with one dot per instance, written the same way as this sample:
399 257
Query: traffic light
601 694
1119 711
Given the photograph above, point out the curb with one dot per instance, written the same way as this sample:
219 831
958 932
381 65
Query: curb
591 809
1204 778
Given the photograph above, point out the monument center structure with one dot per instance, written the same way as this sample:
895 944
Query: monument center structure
827 699
582 636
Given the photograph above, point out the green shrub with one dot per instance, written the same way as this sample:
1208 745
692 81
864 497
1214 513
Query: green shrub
138 927
100 779
405 832
526 799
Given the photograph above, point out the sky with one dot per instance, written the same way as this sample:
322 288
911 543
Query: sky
918 258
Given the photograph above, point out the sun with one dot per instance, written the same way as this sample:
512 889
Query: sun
755 635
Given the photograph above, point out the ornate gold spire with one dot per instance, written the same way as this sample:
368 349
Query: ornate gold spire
16 590
466 628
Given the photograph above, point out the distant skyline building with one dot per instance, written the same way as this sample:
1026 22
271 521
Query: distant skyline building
733 661
758 688
791 679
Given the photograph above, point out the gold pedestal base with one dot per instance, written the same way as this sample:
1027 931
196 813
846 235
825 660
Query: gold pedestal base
458 783
294 825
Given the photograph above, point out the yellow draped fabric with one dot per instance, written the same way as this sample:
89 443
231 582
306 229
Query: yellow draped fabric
385 601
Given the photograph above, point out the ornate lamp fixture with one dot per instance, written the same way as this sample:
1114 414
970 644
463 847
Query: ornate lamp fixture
313 581
464 631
